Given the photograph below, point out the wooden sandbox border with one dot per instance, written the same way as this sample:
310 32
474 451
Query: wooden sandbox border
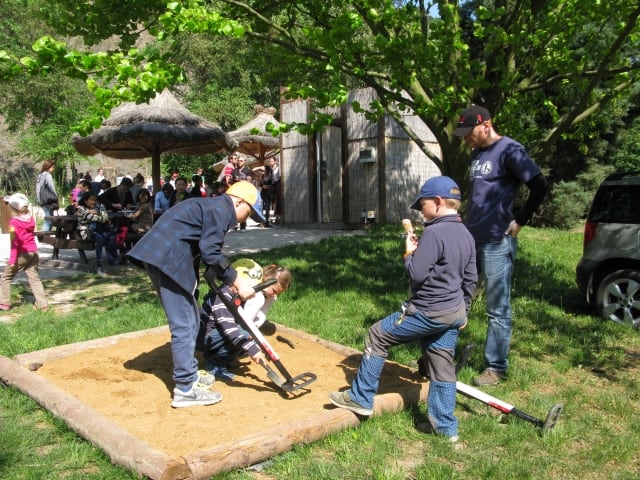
134 454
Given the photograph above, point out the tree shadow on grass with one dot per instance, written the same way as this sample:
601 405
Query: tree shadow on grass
550 316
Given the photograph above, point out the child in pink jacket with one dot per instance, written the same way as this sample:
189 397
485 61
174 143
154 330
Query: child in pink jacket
24 253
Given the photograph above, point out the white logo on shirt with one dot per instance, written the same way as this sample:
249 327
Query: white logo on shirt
481 168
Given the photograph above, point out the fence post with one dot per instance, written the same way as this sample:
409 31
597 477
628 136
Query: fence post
5 216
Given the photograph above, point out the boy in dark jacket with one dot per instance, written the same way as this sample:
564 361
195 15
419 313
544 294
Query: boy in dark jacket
442 272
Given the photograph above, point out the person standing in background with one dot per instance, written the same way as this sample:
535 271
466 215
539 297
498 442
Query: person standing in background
46 194
138 184
180 192
227 171
24 253
268 182
499 165
100 176
277 192
242 172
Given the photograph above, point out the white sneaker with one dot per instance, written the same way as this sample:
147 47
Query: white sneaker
100 272
205 378
194 397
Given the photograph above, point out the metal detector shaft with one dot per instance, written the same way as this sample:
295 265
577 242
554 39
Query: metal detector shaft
504 407
289 384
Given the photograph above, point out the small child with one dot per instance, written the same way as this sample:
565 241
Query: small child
221 339
82 186
24 253
442 272
257 307
94 224
143 215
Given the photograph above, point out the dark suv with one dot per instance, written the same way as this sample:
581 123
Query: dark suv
609 271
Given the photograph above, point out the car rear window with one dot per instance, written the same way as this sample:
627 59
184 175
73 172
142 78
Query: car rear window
616 204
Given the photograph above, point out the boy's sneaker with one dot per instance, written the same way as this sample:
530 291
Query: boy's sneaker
489 378
427 428
100 272
4 306
194 397
205 378
343 400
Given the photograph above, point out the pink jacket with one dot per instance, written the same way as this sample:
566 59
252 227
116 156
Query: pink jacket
22 238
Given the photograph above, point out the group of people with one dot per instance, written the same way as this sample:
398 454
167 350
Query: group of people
267 181
444 266
107 218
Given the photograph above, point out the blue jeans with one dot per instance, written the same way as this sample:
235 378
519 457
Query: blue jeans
495 266
48 212
183 317
437 343
107 240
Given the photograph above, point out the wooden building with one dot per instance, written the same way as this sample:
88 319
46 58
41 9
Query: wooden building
354 172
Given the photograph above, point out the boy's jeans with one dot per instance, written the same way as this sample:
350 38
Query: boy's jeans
433 336
495 265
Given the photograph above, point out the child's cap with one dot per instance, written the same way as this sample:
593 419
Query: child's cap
17 201
249 270
441 186
247 192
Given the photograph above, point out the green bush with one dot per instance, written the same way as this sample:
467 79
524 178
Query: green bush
568 202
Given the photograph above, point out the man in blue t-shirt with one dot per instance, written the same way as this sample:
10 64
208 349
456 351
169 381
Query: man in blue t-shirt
499 165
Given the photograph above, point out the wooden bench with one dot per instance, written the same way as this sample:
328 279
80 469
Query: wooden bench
66 236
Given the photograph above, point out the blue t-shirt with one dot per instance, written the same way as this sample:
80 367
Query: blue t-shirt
496 173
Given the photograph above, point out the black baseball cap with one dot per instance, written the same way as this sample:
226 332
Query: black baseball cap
471 117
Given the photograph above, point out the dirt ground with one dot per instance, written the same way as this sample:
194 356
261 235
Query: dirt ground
129 382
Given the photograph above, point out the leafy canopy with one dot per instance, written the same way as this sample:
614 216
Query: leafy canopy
545 68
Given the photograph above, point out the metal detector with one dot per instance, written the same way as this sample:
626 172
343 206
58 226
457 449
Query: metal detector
545 425
288 383
467 390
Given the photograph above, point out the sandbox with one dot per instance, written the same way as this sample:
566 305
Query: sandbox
116 393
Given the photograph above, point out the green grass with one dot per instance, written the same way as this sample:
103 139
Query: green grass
560 352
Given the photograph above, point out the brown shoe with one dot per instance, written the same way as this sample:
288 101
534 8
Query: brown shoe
489 378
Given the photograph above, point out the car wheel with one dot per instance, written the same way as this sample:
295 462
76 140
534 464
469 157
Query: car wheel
618 297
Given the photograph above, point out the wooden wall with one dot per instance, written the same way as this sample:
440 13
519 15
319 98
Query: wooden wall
348 188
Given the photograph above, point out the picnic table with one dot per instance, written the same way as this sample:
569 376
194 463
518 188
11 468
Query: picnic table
65 235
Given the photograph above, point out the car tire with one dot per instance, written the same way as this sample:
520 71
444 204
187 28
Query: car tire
618 297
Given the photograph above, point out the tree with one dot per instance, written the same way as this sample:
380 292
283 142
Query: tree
38 110
545 68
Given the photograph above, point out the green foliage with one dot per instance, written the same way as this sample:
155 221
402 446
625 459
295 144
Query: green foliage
98 20
570 201
557 75
627 152
543 68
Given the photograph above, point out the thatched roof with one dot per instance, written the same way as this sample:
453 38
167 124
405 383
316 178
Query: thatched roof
161 126
253 139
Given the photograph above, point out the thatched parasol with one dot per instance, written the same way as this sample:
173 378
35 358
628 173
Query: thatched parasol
148 130
253 139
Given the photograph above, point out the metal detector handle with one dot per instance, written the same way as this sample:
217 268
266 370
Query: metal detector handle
265 284
257 288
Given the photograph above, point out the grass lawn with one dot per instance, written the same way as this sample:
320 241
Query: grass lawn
560 352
